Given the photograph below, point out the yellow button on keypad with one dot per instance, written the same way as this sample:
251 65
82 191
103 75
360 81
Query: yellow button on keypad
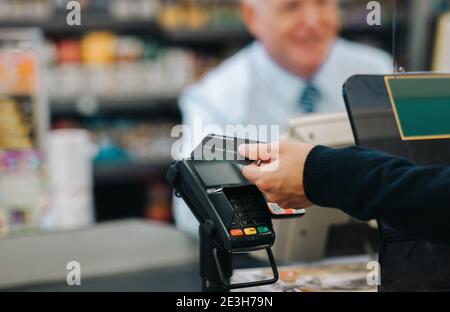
250 231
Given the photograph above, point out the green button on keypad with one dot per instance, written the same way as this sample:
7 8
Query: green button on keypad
263 229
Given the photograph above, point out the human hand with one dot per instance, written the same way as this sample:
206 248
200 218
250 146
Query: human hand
278 171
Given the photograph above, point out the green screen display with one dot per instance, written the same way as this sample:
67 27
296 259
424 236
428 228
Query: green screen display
421 105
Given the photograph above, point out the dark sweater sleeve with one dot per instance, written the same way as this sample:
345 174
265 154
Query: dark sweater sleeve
368 184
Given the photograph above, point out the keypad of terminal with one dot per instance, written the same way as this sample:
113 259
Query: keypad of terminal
250 211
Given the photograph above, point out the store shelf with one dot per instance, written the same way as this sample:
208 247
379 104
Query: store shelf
137 105
58 28
58 25
208 36
217 37
214 36
124 171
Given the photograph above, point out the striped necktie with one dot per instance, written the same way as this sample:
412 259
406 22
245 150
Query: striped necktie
309 98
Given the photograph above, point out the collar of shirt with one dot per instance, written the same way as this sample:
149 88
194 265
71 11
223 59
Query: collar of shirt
286 85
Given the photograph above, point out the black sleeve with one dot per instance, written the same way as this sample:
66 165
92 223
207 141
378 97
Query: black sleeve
368 185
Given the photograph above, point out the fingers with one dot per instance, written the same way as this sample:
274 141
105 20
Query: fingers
295 204
264 152
251 173
261 174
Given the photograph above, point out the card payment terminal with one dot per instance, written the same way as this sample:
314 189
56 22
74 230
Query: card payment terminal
234 215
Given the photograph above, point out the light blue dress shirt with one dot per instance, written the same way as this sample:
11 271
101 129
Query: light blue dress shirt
251 89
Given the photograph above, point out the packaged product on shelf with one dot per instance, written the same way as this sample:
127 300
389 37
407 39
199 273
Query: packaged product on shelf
172 15
37 10
69 51
16 124
100 80
225 15
67 81
153 73
70 155
178 65
140 83
17 72
158 207
22 189
130 10
129 49
98 47
197 16
128 84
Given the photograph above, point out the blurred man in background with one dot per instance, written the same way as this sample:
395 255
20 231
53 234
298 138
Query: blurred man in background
297 65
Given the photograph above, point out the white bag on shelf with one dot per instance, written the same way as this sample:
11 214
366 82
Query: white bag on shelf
70 154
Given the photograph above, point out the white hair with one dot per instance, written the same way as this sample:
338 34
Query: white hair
255 3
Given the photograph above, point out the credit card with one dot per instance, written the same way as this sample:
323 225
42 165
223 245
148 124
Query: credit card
280 213
219 147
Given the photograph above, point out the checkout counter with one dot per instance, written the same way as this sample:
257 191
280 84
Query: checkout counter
136 256
131 255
